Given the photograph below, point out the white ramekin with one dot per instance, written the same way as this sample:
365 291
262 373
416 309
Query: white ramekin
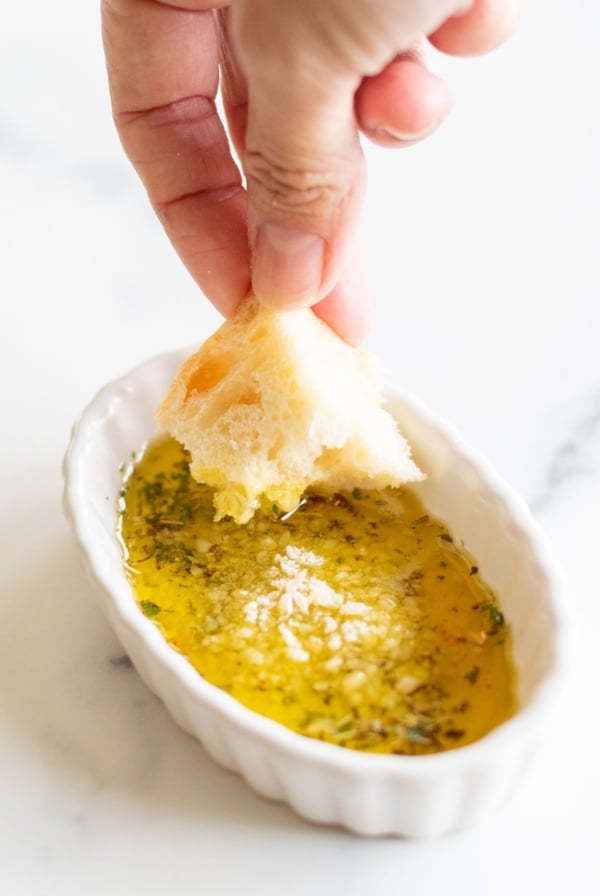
413 796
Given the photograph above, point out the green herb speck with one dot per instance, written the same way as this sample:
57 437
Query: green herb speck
473 675
149 608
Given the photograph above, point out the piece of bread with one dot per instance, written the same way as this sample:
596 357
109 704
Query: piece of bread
274 402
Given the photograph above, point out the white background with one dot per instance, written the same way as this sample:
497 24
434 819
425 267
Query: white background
482 246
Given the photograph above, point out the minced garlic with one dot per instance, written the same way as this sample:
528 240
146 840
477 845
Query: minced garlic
356 620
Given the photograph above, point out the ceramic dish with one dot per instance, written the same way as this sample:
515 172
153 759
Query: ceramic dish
370 794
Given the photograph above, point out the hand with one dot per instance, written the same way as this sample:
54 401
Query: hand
300 79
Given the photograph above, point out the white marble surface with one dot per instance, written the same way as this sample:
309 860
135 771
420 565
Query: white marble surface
483 251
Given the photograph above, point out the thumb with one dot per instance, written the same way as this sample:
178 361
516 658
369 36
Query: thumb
304 169
303 62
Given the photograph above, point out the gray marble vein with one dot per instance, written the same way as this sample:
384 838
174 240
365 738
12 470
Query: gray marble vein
576 457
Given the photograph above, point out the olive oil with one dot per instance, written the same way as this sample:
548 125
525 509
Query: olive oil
356 620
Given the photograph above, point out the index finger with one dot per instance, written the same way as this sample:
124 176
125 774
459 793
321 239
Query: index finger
483 27
162 62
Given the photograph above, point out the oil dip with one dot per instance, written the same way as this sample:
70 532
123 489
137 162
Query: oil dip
357 619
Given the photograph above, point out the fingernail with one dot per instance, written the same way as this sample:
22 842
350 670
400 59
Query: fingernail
387 133
287 266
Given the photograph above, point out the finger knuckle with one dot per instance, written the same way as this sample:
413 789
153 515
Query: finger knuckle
300 192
